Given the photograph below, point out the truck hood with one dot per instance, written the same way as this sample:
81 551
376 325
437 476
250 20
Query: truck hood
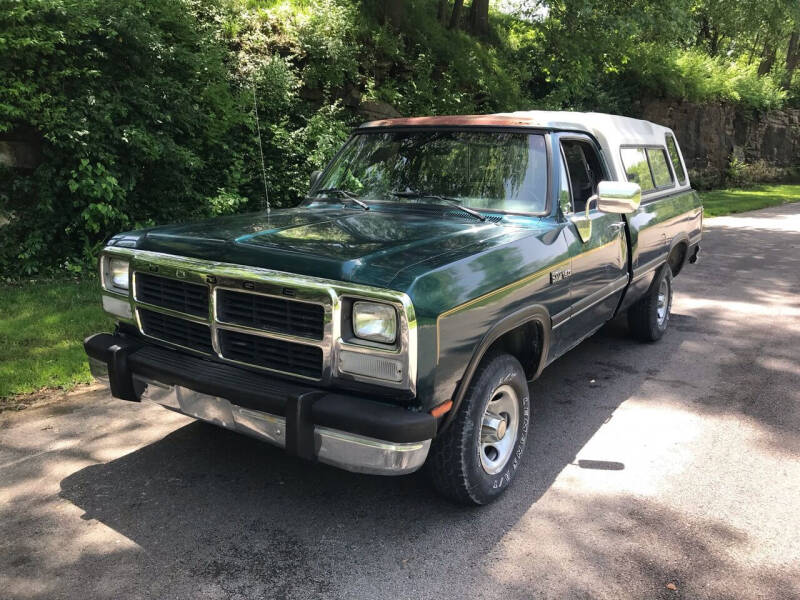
367 247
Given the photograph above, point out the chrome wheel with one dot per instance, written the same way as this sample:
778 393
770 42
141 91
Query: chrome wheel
499 429
662 307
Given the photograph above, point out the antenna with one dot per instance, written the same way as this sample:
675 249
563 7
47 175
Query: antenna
261 150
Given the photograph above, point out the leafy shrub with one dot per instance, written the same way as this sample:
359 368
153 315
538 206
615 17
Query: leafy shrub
145 110
133 103
742 174
697 77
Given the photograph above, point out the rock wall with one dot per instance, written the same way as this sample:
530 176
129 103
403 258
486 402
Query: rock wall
711 135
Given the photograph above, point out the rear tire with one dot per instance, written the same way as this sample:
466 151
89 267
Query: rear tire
649 317
476 458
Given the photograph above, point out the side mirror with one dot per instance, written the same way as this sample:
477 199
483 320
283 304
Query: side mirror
619 197
315 175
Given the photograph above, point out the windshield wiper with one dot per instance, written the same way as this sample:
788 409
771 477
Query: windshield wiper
343 194
448 199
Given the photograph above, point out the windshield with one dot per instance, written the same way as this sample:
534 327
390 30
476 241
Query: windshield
484 170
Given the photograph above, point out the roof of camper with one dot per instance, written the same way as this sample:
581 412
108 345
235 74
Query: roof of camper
599 124
611 131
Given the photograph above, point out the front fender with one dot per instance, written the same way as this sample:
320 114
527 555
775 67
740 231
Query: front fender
536 314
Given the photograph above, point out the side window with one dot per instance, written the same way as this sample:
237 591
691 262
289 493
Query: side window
585 171
658 165
636 168
675 158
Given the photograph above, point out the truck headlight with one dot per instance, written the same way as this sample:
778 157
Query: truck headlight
375 322
115 274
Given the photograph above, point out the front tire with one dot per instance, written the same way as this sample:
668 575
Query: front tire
649 317
476 458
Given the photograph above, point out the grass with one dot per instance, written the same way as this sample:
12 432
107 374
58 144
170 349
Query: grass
725 202
42 326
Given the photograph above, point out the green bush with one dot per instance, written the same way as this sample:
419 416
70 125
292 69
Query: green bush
133 103
145 110
697 77
743 174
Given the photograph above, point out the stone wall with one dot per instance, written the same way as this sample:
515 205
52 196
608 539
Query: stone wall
711 135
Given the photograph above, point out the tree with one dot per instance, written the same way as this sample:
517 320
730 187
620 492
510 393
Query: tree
479 17
792 59
441 11
394 12
134 106
455 16
768 56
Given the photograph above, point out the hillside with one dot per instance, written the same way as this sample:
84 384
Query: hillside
119 115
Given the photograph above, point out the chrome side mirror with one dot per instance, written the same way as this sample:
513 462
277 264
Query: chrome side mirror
619 197
312 181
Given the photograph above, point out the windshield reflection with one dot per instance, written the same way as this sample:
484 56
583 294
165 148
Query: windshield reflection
484 170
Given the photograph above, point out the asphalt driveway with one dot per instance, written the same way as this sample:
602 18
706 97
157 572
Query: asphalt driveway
654 471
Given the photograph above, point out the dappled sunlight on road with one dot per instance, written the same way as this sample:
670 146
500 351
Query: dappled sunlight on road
779 219
751 309
618 546
40 447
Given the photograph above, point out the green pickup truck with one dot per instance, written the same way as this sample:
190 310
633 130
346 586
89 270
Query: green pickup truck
396 317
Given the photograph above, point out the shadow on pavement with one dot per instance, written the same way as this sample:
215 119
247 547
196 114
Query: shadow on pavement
238 518
224 507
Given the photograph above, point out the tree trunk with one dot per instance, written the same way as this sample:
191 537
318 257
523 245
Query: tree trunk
716 39
752 52
767 59
394 12
792 59
455 16
703 32
479 17
441 11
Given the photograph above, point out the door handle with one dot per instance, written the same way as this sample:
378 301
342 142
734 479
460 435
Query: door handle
616 226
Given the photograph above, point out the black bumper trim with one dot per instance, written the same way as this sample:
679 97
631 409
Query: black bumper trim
300 426
309 406
114 351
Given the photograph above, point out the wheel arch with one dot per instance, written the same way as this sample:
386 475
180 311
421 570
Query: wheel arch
678 253
509 333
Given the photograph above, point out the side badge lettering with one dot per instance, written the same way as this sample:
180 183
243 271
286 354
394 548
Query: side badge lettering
561 274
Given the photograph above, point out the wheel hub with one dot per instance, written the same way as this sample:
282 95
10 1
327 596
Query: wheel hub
498 434
494 428
662 306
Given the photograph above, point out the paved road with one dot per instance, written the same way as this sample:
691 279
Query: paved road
675 463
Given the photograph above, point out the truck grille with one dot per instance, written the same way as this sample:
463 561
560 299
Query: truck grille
181 296
271 314
265 352
208 312
176 330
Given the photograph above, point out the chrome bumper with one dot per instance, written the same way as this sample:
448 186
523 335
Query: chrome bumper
341 449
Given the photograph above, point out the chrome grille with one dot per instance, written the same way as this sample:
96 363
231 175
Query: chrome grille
280 315
278 355
237 320
188 334
293 347
181 296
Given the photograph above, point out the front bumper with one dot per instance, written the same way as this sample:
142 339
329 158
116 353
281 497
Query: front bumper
345 431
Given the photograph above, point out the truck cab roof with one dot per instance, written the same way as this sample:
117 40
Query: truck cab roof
612 132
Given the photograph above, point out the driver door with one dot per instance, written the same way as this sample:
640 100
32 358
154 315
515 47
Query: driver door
596 240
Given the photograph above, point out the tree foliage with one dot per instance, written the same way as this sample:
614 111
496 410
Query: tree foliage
144 110
134 109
